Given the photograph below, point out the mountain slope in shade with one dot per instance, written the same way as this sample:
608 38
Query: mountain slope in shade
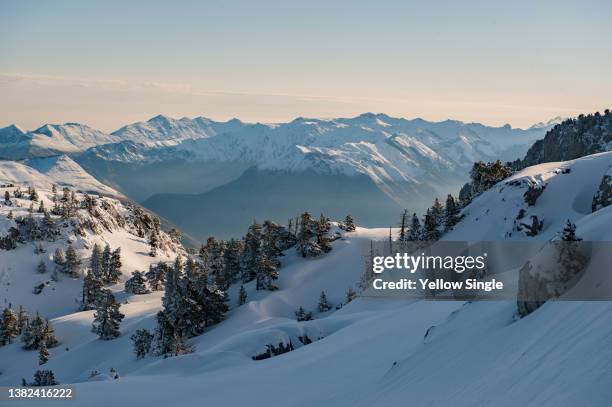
227 210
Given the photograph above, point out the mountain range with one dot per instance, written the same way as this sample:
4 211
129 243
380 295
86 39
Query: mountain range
184 168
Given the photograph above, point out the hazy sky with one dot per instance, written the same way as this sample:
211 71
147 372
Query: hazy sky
108 63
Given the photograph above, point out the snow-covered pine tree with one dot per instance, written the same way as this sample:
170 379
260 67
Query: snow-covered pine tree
105 263
168 340
242 296
324 223
142 341
403 228
430 227
41 207
302 315
270 240
36 331
114 267
59 259
9 327
266 274
306 239
42 267
73 264
23 320
95 262
156 276
153 244
251 255
349 224
43 353
231 261
451 215
136 284
44 378
214 305
107 317
323 303
323 240
33 195
92 286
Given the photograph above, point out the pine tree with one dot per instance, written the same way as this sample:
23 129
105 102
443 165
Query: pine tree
302 315
9 327
451 215
33 195
10 215
242 296
142 341
231 261
92 287
271 236
323 303
266 274
95 262
403 232
73 264
430 227
136 284
323 239
306 239
37 331
114 267
59 259
44 378
169 340
41 207
251 256
349 224
154 244
7 198
156 276
105 264
324 223
107 317
23 320
42 267
43 353
350 295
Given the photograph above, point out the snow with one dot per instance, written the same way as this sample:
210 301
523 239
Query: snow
373 351
44 172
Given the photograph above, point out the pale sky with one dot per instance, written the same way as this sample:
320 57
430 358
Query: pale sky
109 63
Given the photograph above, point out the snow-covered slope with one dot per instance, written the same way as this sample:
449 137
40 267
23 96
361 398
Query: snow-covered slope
49 140
166 129
373 351
569 188
59 170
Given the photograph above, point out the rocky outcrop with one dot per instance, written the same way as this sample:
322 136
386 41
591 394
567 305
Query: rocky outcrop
572 139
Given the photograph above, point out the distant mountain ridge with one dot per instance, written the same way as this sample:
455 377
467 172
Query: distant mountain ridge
409 161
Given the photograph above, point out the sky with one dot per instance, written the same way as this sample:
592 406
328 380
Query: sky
110 63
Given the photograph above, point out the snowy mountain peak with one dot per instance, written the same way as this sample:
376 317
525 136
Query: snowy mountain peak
10 133
548 124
